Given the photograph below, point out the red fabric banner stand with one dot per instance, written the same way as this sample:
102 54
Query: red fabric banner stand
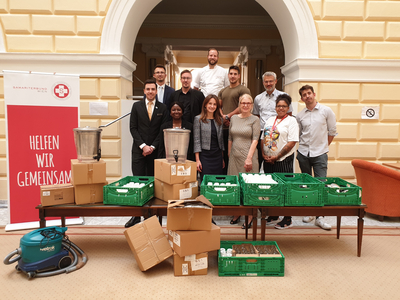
41 112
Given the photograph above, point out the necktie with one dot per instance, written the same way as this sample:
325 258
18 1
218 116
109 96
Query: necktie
160 94
149 109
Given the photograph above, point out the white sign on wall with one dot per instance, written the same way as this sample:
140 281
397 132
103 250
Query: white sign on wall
370 112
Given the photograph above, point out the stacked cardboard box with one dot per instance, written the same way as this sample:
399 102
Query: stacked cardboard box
191 235
175 180
88 179
57 194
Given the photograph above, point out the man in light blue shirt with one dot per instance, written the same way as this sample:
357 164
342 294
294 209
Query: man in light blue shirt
317 126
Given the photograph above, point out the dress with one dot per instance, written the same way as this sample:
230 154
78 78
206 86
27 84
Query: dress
242 131
211 160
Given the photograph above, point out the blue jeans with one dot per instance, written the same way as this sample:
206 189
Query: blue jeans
318 164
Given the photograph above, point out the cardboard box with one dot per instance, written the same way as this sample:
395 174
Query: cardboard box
195 241
165 191
88 173
148 243
89 193
193 214
196 264
173 173
57 194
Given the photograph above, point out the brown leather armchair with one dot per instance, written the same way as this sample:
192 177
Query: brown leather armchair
380 188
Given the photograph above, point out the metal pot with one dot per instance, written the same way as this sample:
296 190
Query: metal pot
176 142
87 143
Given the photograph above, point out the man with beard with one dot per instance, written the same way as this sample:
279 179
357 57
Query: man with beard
317 125
264 105
212 78
229 100
191 99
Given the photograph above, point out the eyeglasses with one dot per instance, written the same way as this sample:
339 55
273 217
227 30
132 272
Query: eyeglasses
159 72
246 103
281 106
186 78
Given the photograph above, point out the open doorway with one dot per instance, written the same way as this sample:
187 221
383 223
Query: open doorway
178 34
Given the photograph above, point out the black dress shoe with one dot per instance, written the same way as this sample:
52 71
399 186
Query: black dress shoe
132 221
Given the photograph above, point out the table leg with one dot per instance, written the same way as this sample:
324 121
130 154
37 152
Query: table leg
338 223
246 220
62 221
42 218
263 223
255 224
360 229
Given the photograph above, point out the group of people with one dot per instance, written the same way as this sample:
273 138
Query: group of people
231 133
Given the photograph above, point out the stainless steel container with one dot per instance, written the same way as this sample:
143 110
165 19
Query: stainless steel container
176 142
87 143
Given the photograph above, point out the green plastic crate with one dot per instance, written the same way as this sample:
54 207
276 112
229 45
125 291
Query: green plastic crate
221 194
116 194
346 194
250 266
302 189
261 194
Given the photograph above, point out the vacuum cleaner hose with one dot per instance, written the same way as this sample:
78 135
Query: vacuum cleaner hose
8 261
74 250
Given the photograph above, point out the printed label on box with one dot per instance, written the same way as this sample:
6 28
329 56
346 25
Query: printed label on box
46 193
183 172
185 269
193 184
190 257
185 193
199 264
177 239
173 170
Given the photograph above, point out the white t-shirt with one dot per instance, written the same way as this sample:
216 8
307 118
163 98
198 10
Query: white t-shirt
211 81
286 130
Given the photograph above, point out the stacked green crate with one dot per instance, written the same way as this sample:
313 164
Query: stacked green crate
221 189
121 193
262 194
250 266
302 189
340 192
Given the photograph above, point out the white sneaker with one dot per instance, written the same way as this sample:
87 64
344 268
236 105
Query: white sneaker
308 219
320 222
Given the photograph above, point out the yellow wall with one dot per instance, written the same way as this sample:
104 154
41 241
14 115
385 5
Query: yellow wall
357 29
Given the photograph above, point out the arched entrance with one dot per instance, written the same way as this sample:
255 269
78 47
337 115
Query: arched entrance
292 17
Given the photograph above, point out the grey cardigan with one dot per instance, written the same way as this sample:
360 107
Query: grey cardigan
202 135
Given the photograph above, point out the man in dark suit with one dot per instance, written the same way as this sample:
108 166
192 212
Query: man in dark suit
163 91
191 99
147 116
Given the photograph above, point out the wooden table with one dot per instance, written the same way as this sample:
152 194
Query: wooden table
394 165
338 211
159 208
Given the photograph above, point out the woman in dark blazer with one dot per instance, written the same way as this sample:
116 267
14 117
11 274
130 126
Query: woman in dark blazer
208 138
176 112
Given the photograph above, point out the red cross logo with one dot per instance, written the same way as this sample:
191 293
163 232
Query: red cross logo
61 91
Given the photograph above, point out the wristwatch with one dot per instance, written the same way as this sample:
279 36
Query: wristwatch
227 117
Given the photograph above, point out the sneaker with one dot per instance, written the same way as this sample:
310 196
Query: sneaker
308 219
320 222
271 220
284 224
